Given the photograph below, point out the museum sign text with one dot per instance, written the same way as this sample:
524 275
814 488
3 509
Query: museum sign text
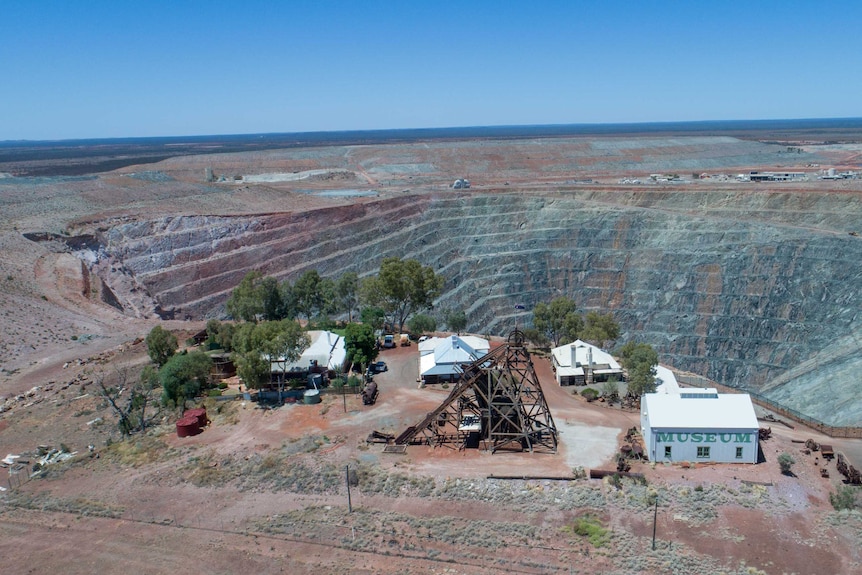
703 437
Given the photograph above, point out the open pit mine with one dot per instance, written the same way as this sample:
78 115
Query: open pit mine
752 285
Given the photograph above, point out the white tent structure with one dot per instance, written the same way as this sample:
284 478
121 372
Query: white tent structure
326 350
580 363
440 358
665 381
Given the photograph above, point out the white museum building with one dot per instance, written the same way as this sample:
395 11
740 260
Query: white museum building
699 425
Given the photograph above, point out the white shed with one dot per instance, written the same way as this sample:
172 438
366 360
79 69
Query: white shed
700 425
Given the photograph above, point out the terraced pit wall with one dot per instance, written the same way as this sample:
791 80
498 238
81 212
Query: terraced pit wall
756 290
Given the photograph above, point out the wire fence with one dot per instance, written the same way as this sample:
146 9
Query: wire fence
763 401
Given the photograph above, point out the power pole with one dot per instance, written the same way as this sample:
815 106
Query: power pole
654 521
350 505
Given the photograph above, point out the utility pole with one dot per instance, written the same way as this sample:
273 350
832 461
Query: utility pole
350 505
654 521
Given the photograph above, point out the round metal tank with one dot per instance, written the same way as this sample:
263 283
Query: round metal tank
188 426
311 396
200 413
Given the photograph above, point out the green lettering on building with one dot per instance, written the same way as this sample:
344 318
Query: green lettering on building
702 437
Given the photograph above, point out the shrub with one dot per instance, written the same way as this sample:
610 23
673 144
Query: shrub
592 529
843 498
222 385
590 394
785 462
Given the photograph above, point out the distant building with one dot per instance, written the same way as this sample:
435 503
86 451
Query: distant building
700 425
580 363
777 176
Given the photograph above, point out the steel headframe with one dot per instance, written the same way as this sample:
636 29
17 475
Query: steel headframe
501 391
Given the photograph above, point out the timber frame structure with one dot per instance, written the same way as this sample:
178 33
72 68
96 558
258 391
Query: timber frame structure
497 401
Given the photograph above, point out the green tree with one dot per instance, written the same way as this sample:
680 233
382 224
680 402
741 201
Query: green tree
128 399
220 335
161 345
246 300
373 316
257 345
309 293
456 321
558 320
538 338
360 343
347 293
401 288
600 328
184 376
640 360
421 324
270 295
288 300
253 369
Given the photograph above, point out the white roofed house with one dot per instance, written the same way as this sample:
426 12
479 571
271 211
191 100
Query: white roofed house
440 358
580 363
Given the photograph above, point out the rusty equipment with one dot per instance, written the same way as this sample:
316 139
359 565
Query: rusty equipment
764 433
497 401
370 393
812 445
853 476
623 465
379 437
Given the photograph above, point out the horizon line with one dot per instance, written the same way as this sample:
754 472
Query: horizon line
606 127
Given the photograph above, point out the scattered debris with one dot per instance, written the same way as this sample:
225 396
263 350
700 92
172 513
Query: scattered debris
380 437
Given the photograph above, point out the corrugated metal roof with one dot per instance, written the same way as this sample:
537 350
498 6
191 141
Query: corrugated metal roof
563 356
727 411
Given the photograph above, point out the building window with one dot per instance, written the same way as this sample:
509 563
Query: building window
703 452
667 449
739 453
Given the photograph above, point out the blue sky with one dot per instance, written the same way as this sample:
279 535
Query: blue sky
83 69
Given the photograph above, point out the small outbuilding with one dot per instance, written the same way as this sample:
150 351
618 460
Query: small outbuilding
580 363
700 425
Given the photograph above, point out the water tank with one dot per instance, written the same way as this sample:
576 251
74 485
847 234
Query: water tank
188 426
311 396
200 414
